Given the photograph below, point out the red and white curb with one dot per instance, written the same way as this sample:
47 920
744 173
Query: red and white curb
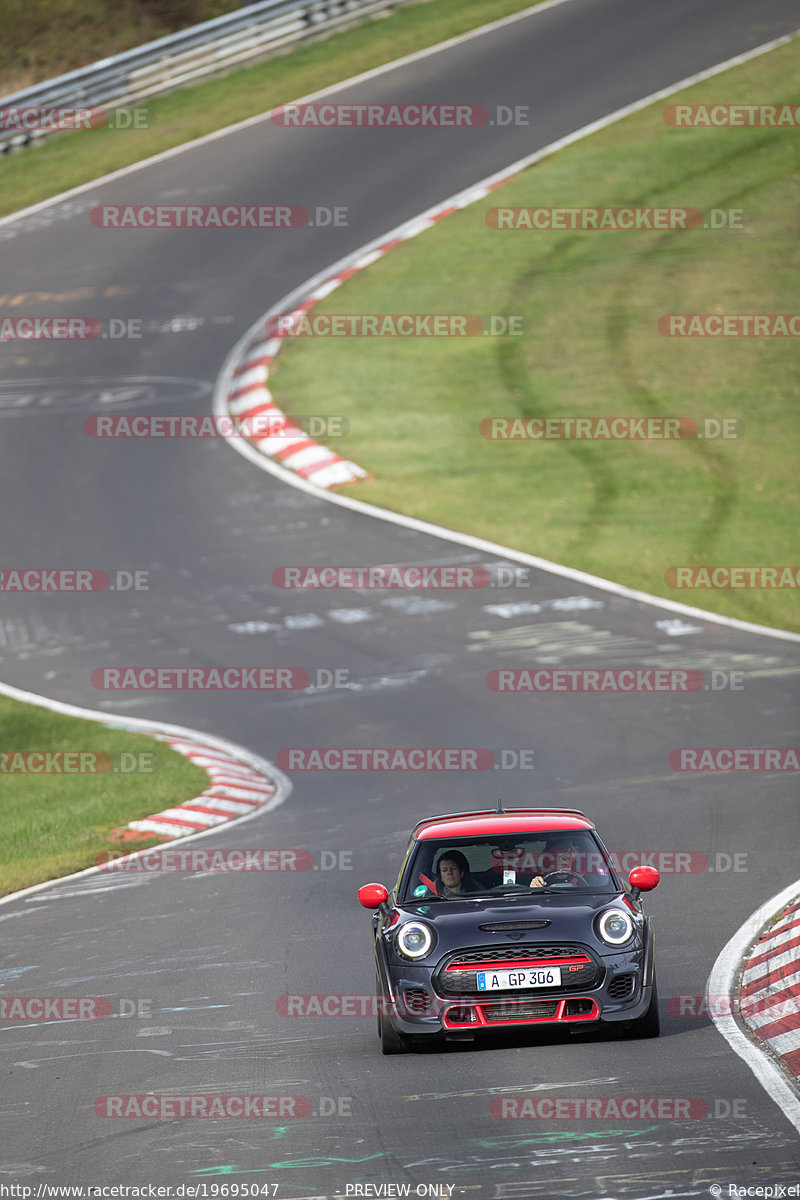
769 1000
236 789
249 397
754 968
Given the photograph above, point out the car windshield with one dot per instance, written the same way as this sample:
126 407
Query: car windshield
547 862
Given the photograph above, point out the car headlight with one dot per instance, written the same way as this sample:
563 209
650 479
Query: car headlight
414 940
615 927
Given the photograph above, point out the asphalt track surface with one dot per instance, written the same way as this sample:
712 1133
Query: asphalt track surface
209 956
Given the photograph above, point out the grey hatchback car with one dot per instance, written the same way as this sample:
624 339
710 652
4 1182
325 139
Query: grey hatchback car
510 918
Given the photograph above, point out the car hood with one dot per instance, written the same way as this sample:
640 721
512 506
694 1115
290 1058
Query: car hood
462 923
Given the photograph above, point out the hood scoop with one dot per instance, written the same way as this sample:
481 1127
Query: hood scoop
508 926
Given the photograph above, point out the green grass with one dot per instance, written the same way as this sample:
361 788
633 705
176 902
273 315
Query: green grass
65 161
53 824
590 301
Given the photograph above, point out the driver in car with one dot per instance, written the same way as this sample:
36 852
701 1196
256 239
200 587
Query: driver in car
566 857
453 874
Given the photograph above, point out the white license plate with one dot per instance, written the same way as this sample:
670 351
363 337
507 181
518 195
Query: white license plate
530 977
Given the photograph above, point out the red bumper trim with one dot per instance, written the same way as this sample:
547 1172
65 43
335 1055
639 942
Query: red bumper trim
483 1022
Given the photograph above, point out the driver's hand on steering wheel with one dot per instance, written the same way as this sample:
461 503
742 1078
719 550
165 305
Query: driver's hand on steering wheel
555 877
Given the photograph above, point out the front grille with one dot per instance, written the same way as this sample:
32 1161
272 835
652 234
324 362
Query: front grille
519 1012
621 986
580 973
522 950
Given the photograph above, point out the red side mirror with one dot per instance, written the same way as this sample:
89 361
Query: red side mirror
644 878
373 895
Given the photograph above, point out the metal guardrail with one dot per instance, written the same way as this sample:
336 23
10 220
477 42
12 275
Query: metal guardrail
212 48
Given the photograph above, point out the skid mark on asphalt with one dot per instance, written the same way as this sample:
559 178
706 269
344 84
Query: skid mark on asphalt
86 1053
9 973
503 1089
91 888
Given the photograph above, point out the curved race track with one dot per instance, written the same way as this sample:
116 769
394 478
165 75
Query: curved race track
209 956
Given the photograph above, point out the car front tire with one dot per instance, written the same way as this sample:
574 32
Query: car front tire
392 1041
648 1025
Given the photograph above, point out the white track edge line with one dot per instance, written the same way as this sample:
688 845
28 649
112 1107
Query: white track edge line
722 982
142 725
288 302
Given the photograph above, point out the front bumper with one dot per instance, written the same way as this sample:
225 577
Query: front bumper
623 993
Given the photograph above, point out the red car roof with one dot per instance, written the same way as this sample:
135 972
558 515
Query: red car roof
513 821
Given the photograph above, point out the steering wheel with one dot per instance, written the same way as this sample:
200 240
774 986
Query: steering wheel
563 877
